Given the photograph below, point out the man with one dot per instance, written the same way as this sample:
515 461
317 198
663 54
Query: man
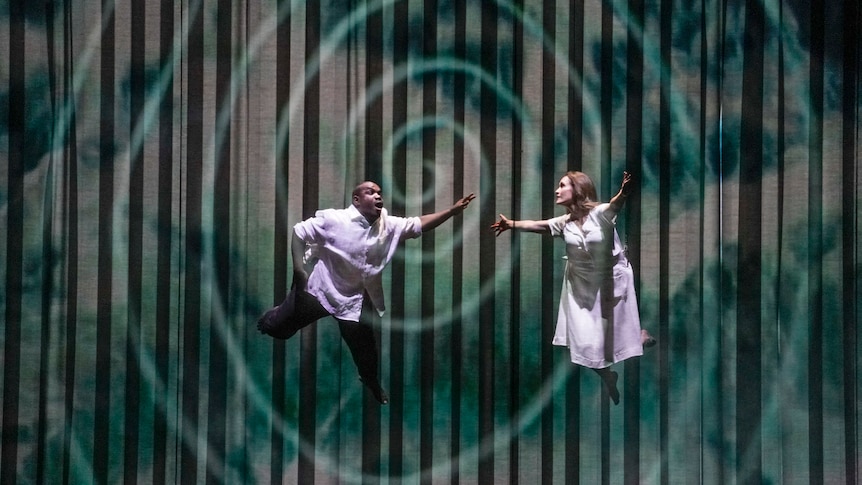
348 250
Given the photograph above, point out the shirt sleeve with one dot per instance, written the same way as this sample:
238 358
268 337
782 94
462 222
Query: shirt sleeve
557 225
409 227
601 215
313 229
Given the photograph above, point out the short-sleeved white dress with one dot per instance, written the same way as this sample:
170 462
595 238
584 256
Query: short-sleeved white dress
593 340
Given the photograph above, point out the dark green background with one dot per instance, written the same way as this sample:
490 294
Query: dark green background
156 154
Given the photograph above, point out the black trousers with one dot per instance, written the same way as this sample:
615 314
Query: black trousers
300 309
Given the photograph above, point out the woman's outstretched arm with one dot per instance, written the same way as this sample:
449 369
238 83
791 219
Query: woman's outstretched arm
504 224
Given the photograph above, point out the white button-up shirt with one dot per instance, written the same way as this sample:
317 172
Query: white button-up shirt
350 256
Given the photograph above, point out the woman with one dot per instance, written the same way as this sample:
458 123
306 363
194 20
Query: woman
598 318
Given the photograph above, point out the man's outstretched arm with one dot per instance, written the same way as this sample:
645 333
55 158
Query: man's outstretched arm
431 221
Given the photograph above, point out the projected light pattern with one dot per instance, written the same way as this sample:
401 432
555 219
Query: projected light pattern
153 174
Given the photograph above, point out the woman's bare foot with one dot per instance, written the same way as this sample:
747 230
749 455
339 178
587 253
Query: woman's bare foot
647 340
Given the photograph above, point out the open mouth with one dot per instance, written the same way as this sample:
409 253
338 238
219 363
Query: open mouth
378 205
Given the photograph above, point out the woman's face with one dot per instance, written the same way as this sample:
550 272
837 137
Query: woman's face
565 193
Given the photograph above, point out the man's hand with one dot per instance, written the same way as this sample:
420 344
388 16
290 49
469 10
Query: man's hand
463 202
430 221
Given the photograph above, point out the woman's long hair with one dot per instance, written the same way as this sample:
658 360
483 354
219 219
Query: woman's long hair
584 195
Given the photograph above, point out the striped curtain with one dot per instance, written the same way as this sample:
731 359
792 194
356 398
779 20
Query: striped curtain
155 155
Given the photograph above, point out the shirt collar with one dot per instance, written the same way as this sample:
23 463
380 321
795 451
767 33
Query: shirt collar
357 216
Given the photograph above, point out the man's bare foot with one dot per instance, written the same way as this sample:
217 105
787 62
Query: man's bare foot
377 390
609 378
611 383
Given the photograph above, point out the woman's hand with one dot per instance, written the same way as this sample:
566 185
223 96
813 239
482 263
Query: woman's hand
617 201
625 187
502 225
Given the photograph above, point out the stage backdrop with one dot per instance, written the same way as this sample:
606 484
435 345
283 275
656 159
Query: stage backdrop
155 156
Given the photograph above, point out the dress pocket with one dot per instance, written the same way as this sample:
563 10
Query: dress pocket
621 281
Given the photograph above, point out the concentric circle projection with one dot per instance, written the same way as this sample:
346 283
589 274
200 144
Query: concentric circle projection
415 127
334 43
507 100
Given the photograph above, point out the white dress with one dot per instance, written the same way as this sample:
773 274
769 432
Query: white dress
593 340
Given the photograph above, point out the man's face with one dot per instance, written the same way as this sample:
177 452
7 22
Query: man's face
368 200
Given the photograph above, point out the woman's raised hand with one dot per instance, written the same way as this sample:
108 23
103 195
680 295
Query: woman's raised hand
625 188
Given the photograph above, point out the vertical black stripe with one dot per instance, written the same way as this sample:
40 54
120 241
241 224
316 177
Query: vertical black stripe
459 91
373 171
515 208
707 159
719 275
190 360
49 259
606 108
575 149
221 303
576 90
634 149
70 155
549 178
374 113
850 228
487 263
282 234
607 94
14 244
784 415
135 253
104 287
781 141
163 258
815 242
400 45
664 163
308 336
429 139
426 352
748 321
